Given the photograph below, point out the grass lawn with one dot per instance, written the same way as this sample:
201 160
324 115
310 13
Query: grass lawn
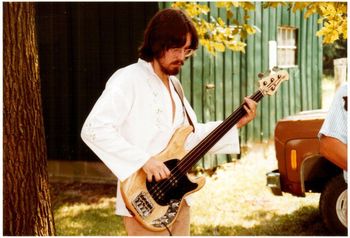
234 201
237 202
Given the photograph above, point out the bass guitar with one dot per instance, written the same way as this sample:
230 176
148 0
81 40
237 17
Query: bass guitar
156 204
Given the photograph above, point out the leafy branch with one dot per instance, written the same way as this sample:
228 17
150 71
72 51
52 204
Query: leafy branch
216 34
333 16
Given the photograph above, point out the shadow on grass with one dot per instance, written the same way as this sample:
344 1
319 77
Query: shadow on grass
90 222
305 221
103 222
89 210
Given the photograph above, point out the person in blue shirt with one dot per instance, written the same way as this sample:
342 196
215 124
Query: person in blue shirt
334 131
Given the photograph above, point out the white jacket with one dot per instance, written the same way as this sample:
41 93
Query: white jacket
132 121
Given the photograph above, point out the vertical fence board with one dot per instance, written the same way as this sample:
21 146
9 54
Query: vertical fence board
279 95
258 58
272 32
315 83
264 106
295 76
319 68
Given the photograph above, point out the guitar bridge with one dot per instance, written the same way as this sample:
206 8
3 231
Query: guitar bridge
143 205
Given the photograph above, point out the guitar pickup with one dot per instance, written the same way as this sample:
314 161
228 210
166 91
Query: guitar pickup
143 205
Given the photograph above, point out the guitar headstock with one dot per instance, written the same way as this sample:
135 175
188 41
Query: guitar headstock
271 80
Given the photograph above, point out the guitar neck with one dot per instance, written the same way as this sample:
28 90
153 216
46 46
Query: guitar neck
193 156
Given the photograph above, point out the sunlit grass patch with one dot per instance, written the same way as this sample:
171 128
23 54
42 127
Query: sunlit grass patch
89 219
236 201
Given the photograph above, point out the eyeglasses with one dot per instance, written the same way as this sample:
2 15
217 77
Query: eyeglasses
177 51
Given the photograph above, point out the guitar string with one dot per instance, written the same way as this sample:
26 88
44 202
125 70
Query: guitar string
183 164
181 168
257 96
215 138
217 134
188 163
159 188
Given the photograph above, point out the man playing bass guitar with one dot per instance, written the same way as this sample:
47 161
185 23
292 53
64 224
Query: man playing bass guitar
141 108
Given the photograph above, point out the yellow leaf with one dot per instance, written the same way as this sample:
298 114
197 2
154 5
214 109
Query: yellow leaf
342 8
320 20
221 22
250 30
248 6
237 46
226 5
235 4
309 12
271 4
219 47
204 9
329 34
344 30
229 14
299 6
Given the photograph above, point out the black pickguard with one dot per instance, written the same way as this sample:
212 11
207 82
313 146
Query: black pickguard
175 187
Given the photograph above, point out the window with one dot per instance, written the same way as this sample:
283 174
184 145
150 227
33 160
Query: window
287 46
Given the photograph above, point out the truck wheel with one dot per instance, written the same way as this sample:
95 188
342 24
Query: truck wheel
334 205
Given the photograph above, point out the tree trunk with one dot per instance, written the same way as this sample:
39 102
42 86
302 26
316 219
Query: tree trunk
27 204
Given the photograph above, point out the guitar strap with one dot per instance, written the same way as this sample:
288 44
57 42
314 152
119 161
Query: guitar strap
179 90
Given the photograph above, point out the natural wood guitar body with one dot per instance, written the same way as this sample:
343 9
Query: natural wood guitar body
139 199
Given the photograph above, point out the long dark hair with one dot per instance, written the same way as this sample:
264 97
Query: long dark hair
167 29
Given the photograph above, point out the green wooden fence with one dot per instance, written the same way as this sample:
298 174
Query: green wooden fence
234 75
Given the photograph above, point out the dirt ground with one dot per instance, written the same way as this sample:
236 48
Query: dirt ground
74 192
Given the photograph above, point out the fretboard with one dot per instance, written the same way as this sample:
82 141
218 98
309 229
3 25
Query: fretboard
194 155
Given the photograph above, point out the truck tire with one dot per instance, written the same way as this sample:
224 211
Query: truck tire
333 205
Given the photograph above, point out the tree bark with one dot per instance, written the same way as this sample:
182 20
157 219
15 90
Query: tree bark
27 204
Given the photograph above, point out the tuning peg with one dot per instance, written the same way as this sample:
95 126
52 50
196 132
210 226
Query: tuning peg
261 75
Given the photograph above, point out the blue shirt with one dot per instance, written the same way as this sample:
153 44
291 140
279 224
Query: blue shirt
335 123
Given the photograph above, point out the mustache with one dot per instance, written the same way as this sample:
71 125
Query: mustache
178 62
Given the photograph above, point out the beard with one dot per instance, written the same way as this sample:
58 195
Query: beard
173 68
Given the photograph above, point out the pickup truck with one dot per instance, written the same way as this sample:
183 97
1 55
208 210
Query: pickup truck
302 169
